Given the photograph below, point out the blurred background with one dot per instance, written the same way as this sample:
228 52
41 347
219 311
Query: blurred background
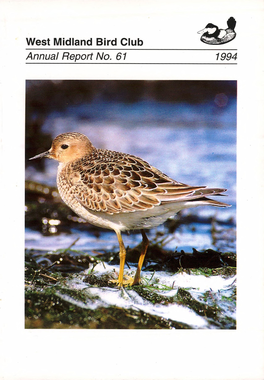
187 129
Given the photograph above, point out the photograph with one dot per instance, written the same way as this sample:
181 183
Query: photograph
114 236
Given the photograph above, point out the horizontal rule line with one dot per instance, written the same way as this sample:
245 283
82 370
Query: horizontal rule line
130 63
66 48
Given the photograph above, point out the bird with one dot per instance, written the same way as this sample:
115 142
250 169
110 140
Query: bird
120 191
212 35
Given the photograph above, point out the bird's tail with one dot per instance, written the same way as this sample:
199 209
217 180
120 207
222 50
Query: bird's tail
231 23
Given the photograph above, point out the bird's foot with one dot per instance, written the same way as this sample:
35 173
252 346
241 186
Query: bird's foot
126 281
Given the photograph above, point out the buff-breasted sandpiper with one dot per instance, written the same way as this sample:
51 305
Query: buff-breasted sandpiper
120 191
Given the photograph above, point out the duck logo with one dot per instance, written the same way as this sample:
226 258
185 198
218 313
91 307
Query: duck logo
212 35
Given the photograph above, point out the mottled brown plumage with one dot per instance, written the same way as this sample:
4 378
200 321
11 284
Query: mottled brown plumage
120 191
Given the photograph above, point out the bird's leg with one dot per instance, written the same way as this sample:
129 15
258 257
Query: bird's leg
145 244
122 256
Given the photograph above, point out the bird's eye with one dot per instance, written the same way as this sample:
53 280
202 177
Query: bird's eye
64 146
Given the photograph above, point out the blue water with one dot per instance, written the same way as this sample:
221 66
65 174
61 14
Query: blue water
193 144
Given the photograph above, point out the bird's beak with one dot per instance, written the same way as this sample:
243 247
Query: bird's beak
41 155
202 31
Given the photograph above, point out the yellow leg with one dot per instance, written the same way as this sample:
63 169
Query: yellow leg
145 244
122 256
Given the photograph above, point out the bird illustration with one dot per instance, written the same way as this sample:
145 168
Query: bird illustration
212 35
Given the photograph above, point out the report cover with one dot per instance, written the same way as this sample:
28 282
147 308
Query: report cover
131 152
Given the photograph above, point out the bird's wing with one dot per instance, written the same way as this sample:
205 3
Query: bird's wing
123 183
